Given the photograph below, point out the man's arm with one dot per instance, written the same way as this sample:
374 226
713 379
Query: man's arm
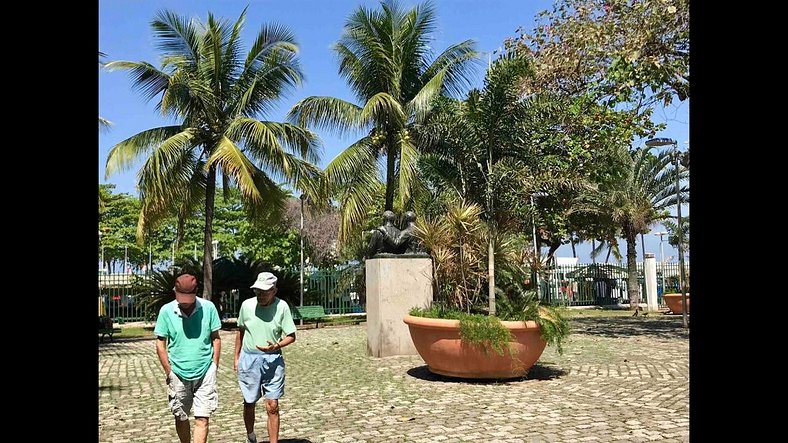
239 338
279 345
217 347
161 351
289 338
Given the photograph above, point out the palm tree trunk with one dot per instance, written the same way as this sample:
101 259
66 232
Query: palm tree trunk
390 158
207 261
491 230
491 270
642 246
633 288
572 242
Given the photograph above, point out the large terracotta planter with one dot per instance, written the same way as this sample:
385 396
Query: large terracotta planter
674 303
438 342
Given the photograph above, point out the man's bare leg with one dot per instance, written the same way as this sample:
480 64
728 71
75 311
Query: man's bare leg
272 407
249 417
182 428
200 429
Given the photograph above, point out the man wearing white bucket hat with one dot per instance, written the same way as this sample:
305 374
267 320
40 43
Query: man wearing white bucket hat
265 326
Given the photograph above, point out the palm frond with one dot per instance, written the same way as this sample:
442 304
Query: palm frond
327 113
145 77
122 156
177 35
383 109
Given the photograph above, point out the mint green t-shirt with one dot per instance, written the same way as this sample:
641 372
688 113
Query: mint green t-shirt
264 323
189 346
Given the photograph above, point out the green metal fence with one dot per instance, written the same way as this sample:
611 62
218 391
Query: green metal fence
321 287
571 285
116 298
602 284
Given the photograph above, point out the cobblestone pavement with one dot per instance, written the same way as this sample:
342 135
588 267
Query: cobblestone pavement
619 379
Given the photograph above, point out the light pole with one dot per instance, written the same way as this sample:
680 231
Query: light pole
302 198
102 251
537 254
682 279
662 257
215 244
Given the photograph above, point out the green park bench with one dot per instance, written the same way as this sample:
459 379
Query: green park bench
105 328
308 313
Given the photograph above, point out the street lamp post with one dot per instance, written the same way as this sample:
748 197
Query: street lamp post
662 257
682 276
102 251
537 254
302 198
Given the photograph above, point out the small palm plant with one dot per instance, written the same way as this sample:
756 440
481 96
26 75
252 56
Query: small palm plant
457 242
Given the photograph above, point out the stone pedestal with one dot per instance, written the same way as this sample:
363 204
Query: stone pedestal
394 286
650 272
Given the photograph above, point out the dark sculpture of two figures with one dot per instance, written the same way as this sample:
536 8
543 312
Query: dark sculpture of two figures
389 241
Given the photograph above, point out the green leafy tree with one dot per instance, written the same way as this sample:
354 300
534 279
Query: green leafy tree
384 55
630 53
610 62
216 92
117 220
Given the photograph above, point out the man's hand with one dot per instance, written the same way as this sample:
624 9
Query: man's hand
269 348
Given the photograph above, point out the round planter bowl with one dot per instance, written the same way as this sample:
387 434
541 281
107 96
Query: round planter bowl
438 342
674 302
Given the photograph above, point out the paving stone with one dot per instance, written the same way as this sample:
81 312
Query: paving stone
335 393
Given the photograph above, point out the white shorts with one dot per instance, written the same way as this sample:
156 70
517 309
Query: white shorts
201 392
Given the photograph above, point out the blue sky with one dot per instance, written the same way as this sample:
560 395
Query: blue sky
125 34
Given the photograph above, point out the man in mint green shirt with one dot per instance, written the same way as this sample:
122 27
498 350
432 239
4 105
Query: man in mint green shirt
263 321
188 347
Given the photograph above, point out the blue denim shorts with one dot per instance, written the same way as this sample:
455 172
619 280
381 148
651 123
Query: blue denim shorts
258 373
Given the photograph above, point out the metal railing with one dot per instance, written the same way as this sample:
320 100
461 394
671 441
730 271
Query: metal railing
602 284
321 287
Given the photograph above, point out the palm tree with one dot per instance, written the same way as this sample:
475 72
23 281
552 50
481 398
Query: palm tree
469 139
216 92
640 199
674 236
104 124
384 55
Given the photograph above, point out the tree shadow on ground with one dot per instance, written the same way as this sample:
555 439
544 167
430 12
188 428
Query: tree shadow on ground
121 340
537 372
655 325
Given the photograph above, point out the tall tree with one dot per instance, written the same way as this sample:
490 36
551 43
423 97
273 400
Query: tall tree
385 57
216 92
614 61
469 139
639 200
632 53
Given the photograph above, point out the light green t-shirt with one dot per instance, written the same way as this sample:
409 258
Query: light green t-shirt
264 323
189 345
